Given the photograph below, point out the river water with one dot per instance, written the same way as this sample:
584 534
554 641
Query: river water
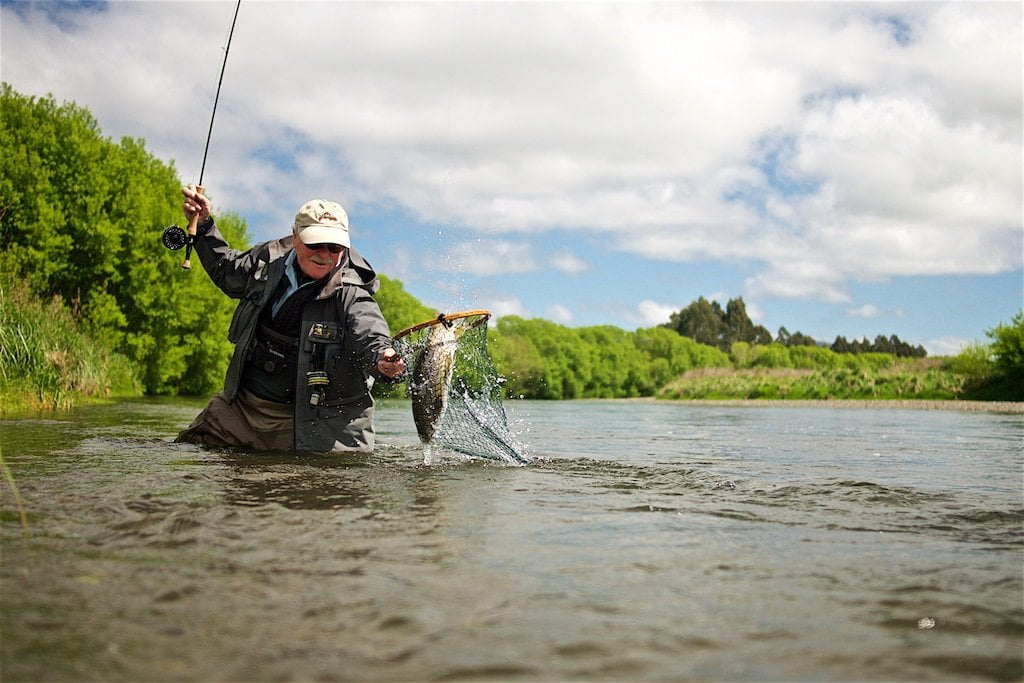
648 541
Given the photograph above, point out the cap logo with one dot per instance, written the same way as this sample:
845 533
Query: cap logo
327 215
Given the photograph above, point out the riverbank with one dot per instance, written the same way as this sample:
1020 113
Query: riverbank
1008 408
877 378
1000 407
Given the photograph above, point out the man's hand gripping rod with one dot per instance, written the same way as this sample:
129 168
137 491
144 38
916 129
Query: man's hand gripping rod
175 238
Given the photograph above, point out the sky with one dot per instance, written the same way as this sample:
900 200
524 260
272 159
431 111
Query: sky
848 169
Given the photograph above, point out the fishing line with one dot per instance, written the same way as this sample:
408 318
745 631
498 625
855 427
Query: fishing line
174 237
223 65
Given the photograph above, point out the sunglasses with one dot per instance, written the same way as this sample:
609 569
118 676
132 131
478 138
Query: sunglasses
333 248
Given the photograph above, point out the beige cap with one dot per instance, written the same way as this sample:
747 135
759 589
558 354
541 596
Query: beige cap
320 221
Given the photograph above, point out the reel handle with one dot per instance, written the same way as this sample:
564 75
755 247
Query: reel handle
193 225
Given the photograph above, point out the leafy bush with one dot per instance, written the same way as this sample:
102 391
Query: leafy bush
1008 348
80 219
808 357
975 361
771 356
541 359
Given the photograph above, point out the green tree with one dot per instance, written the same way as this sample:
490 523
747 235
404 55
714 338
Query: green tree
741 354
519 362
703 321
80 218
841 345
975 363
565 367
795 339
801 339
1008 348
771 356
400 308
678 353
619 369
807 357
741 327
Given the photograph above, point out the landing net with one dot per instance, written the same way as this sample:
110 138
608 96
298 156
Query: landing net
455 389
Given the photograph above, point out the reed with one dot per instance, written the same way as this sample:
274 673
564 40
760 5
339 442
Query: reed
8 479
47 360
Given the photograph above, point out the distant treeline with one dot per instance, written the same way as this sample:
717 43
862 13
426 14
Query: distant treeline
708 323
544 360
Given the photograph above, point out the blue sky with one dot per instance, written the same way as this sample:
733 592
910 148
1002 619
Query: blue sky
846 168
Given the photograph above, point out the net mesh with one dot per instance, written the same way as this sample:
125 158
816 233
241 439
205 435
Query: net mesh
458 406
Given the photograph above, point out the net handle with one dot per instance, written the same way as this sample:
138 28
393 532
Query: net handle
485 315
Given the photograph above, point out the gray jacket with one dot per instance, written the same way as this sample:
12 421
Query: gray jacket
344 318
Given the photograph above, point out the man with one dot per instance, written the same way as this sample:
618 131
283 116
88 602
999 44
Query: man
309 337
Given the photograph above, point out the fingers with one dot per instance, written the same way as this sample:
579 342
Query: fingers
391 370
195 202
390 363
195 197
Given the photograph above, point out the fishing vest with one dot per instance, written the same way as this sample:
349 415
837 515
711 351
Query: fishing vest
270 371
340 336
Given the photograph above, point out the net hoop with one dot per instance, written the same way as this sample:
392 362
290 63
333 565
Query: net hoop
481 316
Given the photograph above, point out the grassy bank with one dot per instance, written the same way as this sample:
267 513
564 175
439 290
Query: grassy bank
918 379
48 362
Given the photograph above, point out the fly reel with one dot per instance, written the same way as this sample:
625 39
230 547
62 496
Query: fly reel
174 238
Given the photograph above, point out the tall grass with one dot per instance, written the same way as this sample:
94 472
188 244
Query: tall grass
47 361
776 372
898 379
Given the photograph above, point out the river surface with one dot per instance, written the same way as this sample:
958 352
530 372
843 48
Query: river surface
648 541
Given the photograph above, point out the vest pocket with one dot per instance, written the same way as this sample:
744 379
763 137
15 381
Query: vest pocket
348 384
329 354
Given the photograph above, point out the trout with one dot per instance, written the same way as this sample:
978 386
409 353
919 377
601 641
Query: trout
431 379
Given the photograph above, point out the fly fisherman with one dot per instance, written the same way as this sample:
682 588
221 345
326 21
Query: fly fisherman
309 337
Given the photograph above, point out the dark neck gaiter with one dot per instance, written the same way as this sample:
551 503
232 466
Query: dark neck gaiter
289 318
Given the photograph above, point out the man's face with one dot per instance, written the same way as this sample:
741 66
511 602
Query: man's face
317 260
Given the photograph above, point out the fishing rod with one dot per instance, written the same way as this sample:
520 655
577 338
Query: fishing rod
175 238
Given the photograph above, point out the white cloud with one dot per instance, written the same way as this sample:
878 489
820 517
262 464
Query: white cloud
803 140
569 263
799 280
559 314
872 312
509 305
654 313
905 193
867 311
